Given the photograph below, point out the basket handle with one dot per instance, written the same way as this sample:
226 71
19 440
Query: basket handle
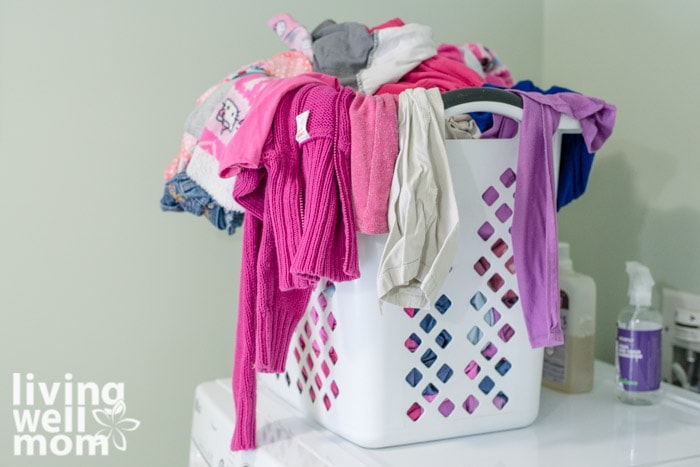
498 101
465 95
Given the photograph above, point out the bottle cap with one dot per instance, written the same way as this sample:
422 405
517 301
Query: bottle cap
565 256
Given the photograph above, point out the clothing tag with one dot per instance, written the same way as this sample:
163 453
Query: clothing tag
302 135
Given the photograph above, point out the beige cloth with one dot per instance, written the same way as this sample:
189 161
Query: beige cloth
423 217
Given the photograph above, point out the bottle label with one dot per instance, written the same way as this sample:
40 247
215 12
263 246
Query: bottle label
554 365
638 356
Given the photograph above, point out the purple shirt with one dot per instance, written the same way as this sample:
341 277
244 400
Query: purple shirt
534 230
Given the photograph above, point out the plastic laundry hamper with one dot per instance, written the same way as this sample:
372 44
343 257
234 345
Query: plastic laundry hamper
397 376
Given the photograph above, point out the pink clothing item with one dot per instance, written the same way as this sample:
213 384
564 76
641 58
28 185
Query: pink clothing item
245 147
392 23
374 148
496 72
287 64
282 65
299 227
451 51
292 33
438 71
221 127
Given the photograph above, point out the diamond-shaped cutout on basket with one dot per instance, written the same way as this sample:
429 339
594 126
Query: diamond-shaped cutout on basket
329 290
443 338
492 316
445 373
428 358
334 389
478 301
489 350
443 304
472 369
507 178
333 355
412 342
474 335
503 366
504 212
430 392
486 385
499 247
481 266
415 411
414 377
313 314
506 332
322 301
490 195
500 400
428 323
495 282
510 265
330 319
446 407
509 298
485 231
471 404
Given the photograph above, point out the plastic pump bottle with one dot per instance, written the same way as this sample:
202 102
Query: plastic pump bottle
569 367
638 349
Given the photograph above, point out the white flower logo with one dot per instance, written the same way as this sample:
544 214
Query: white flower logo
114 423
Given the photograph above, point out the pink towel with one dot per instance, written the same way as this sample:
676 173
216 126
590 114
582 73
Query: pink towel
374 147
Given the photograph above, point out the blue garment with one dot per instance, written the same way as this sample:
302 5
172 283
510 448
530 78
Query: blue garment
575 163
182 194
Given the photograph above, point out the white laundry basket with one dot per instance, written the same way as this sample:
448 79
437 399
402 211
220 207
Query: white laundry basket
396 376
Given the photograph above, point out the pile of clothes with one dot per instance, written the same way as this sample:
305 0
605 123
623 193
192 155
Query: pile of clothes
384 59
343 133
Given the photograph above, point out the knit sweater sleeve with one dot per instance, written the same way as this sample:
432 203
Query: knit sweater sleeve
328 246
281 296
243 381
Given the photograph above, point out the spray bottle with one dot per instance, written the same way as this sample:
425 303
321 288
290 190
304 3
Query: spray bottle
638 349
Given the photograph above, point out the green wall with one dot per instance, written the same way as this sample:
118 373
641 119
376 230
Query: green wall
95 280
643 198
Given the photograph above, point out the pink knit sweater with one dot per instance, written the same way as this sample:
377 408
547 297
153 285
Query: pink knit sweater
299 227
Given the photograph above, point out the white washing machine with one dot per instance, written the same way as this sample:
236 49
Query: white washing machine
572 430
